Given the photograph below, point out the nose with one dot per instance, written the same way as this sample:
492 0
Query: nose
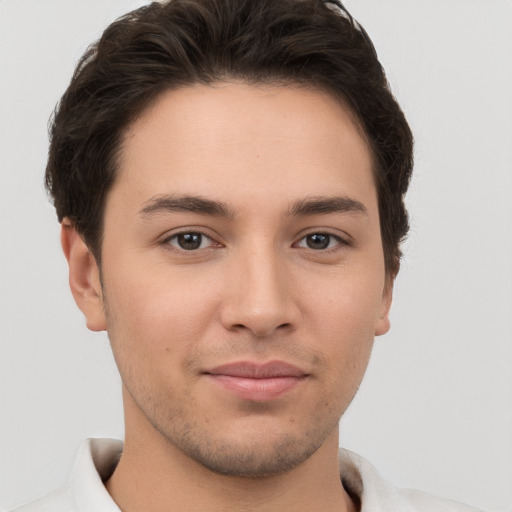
259 296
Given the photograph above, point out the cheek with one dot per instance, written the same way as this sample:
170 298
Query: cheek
347 304
155 313
343 319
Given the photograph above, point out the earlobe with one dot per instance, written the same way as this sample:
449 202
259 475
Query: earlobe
84 277
382 325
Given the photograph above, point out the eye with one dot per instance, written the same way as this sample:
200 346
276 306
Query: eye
320 241
190 241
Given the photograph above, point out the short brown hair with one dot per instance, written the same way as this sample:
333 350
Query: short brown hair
177 43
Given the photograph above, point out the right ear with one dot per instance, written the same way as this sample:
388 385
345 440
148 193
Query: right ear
84 277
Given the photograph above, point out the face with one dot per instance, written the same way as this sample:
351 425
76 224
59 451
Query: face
243 275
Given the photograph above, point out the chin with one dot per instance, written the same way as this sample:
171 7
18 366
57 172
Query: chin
248 453
253 461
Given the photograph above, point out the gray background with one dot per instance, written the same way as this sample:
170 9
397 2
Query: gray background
435 409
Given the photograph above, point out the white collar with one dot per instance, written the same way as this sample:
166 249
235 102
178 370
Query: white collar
97 459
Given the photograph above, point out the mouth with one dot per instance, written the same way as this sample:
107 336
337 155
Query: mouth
257 382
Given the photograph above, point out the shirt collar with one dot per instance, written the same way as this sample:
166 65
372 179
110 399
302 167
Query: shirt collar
97 459
94 464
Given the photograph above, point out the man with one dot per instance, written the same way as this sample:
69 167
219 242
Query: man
230 177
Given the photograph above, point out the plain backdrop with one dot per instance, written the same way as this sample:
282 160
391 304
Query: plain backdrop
435 409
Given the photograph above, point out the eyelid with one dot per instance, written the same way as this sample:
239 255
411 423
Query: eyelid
344 240
166 239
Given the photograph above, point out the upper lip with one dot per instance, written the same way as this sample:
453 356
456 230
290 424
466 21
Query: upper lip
252 370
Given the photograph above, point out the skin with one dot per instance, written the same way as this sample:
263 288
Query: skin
259 287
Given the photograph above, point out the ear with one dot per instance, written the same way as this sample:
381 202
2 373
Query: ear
84 277
382 324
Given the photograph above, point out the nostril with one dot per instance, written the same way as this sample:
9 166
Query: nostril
261 330
263 309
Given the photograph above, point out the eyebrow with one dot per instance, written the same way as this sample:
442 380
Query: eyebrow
193 204
326 205
301 208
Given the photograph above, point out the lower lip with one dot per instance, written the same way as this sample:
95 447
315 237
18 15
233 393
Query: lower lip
257 390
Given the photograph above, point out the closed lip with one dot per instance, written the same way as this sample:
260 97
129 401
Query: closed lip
257 382
253 370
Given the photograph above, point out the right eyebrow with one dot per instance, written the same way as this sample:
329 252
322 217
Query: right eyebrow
193 204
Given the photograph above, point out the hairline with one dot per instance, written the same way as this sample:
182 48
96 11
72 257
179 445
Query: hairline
271 82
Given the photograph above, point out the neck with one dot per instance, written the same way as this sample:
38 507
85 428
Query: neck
154 476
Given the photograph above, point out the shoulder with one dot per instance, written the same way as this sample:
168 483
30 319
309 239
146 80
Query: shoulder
425 502
85 491
376 495
57 501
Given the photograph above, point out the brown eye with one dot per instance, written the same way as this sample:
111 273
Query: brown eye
320 241
190 241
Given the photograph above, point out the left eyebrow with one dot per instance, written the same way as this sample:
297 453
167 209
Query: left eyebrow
326 205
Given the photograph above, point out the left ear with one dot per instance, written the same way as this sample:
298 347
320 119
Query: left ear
382 324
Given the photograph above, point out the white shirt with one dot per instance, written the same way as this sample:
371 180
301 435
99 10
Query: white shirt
97 458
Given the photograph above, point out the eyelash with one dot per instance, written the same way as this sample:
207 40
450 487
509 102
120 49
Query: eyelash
339 241
202 237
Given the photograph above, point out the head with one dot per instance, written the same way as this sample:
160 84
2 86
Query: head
165 46
230 175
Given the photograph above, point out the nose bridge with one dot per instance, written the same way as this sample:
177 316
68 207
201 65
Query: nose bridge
260 298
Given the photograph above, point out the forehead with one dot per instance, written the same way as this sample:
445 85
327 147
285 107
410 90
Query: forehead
245 141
